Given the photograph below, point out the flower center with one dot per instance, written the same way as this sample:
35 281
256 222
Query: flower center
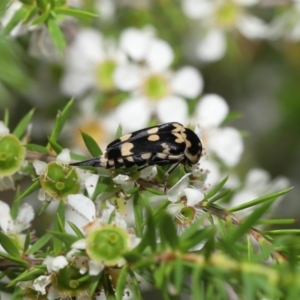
104 74
3 156
106 245
59 181
186 216
227 15
156 87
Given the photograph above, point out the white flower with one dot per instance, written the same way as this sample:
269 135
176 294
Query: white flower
153 86
90 62
22 222
185 212
216 17
224 142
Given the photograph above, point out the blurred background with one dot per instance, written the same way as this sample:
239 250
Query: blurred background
246 51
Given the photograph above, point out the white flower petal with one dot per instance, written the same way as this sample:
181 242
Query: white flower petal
53 294
211 110
83 206
39 166
40 283
253 27
58 263
159 55
279 183
106 10
135 42
64 156
193 196
95 268
212 172
187 82
72 216
3 128
41 195
176 191
172 109
197 9
91 183
174 208
6 220
80 244
133 240
75 84
212 46
127 77
72 253
257 179
149 172
25 216
228 145
48 262
121 179
133 114
87 48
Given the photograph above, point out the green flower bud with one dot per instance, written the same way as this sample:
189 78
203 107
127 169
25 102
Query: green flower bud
107 244
12 155
70 282
59 180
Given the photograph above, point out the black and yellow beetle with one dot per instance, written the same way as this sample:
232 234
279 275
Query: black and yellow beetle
169 143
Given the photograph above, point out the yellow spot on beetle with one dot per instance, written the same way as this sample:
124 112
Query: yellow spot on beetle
153 130
178 127
166 148
179 138
146 155
125 137
161 155
153 138
125 149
